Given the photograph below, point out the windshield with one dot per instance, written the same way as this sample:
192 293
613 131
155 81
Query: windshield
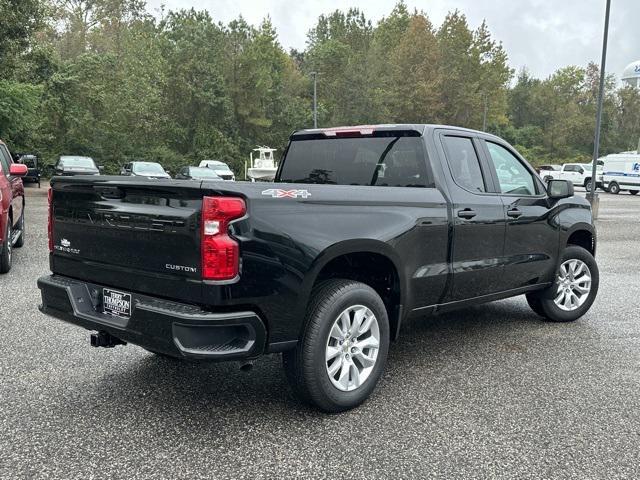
82 162
148 168
217 165
30 162
394 161
203 173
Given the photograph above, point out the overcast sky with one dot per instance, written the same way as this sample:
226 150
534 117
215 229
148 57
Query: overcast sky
541 34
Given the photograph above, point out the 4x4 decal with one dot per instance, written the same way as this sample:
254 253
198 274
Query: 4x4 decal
279 193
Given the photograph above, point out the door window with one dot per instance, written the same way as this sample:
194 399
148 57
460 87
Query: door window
464 163
513 177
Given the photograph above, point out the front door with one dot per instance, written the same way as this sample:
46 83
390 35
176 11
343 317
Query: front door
532 240
15 183
478 220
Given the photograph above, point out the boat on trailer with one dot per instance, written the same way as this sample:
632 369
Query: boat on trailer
261 166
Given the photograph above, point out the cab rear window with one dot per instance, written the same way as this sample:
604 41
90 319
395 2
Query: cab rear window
391 161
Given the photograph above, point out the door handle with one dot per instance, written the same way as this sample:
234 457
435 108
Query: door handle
514 213
466 213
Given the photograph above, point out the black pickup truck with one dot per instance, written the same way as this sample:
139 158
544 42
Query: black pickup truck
363 228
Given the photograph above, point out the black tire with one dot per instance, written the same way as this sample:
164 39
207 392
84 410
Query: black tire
5 251
633 192
20 227
587 184
306 367
543 303
614 188
534 303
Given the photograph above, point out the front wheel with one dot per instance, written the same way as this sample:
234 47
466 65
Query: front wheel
5 251
343 351
614 188
573 291
587 184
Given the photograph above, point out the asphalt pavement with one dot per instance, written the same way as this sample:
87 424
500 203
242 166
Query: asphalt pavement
487 392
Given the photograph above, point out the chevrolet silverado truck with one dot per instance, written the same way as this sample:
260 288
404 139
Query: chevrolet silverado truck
11 207
363 228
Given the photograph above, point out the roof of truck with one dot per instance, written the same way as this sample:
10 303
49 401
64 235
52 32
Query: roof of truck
420 128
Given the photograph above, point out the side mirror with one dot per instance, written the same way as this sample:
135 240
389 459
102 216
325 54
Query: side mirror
100 168
17 170
558 189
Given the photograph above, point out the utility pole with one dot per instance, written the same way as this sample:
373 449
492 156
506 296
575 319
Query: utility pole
592 196
484 117
315 99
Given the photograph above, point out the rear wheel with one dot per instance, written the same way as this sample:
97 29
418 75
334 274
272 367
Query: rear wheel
587 184
5 251
342 353
614 188
633 192
574 290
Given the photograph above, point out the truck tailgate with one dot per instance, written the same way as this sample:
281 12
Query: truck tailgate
143 233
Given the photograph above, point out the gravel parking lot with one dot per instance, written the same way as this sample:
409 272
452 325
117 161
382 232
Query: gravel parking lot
488 392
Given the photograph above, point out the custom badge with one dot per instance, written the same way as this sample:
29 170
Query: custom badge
279 193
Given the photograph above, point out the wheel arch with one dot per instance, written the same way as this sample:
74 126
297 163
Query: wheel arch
582 235
371 262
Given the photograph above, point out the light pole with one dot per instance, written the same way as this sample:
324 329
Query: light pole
592 196
315 99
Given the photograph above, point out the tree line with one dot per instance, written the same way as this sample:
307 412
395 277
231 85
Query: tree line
107 79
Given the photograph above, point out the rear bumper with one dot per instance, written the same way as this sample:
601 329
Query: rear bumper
158 325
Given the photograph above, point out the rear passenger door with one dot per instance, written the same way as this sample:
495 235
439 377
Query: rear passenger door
532 239
478 218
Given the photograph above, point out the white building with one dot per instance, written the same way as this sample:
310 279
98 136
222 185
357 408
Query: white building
631 74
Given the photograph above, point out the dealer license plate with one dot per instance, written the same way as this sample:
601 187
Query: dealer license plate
116 303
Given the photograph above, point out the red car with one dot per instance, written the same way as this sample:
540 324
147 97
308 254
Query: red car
11 206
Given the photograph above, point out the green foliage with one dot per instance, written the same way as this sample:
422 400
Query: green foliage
18 113
106 79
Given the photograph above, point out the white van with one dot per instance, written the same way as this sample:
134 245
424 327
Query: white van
622 172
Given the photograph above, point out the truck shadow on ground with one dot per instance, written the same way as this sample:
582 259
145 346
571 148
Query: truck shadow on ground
176 386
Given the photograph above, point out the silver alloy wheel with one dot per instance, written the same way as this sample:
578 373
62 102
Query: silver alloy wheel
574 285
352 348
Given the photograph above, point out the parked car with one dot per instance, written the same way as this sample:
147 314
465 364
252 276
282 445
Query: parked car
12 226
327 263
144 169
69 165
197 173
622 172
221 169
579 174
542 169
33 170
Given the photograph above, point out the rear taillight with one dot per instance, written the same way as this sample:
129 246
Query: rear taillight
220 252
50 219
